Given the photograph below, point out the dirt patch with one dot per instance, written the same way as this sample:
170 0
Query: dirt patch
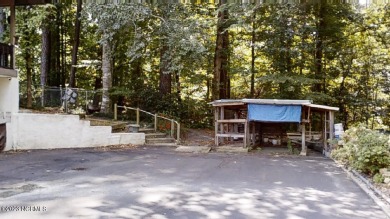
116 147
198 137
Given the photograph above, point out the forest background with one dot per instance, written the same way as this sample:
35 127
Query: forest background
176 58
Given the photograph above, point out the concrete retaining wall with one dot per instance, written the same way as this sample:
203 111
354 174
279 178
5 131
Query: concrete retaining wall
48 131
9 94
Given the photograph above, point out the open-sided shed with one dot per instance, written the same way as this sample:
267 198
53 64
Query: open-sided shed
254 120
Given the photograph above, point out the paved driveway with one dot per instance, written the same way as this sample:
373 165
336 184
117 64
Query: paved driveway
160 183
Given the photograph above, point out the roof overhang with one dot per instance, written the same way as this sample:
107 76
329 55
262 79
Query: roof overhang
323 108
240 102
277 101
232 102
227 102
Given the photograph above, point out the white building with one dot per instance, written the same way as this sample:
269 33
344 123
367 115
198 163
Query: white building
9 93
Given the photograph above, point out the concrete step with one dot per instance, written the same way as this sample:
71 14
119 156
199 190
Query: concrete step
159 140
155 135
161 144
146 130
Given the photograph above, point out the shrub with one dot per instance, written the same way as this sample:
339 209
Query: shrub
342 154
364 150
378 178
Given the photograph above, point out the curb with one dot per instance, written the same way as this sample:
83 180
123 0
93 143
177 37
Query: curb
368 189
193 149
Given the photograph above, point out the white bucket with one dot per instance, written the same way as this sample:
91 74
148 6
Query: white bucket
265 140
274 141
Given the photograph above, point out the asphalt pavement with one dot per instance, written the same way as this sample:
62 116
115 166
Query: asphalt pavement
161 183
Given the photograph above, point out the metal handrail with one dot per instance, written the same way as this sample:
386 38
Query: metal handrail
156 116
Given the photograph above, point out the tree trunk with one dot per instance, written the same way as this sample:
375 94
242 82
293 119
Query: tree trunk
45 55
319 50
28 60
54 79
63 52
253 57
165 74
107 77
178 87
72 80
2 24
220 82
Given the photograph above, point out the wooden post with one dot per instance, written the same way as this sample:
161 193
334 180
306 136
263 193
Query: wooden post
172 128
253 141
246 133
304 149
235 125
222 112
331 129
216 126
325 134
115 111
178 133
137 119
155 122
308 120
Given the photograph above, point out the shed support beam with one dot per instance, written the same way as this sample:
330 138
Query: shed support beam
331 128
304 148
216 125
246 133
222 117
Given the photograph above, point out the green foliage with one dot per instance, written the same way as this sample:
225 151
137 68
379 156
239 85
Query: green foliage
193 113
378 178
364 149
290 147
285 38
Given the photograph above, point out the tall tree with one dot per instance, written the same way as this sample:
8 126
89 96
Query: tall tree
165 84
27 42
2 24
76 42
45 55
221 89
107 77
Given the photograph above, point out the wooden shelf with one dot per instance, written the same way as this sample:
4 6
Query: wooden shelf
231 121
231 135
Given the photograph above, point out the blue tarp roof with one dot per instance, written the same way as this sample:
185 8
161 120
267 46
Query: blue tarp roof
274 113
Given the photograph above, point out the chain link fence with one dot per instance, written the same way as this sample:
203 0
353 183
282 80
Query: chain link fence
68 99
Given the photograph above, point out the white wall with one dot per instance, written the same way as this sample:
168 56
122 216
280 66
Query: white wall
9 94
48 131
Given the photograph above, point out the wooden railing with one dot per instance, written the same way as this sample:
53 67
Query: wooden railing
155 117
6 56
